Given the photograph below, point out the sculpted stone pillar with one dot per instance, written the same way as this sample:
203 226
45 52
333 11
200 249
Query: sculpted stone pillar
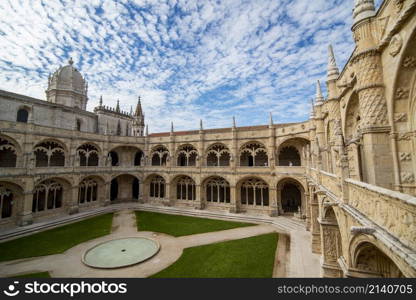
315 228
373 124
330 244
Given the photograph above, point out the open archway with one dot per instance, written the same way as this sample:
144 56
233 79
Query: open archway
124 188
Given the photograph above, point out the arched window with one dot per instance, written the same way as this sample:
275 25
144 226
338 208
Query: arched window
254 192
114 189
78 125
159 156
217 190
47 195
370 260
157 187
88 155
187 156
185 188
289 156
218 155
7 154
49 154
135 188
291 197
138 158
6 202
113 158
87 191
22 115
253 155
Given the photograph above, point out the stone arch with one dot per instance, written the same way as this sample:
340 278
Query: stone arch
183 187
291 193
155 186
159 155
91 189
23 114
253 154
370 259
218 154
50 153
186 155
253 191
50 194
139 158
9 152
291 152
124 188
123 155
216 190
11 200
88 154
352 136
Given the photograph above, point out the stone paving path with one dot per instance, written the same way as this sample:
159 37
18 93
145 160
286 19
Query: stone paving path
302 263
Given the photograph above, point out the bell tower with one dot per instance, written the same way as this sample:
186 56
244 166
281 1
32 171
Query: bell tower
138 122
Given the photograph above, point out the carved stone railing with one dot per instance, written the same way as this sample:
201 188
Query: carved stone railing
393 211
331 183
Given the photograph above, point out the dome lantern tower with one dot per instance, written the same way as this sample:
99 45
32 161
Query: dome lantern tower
67 87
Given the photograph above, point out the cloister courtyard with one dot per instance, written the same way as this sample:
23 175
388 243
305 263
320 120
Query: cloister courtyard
190 247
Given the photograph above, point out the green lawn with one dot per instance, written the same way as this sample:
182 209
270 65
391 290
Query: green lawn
56 240
181 225
246 258
34 275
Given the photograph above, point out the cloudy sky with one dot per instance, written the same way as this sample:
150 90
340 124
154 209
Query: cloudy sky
188 59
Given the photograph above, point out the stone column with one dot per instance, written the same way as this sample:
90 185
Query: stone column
141 191
274 209
169 199
374 124
329 244
315 228
235 203
198 200
308 199
73 206
107 194
25 217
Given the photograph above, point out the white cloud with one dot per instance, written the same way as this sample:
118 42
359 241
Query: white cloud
188 59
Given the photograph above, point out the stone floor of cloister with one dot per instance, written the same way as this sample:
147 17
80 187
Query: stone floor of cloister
297 261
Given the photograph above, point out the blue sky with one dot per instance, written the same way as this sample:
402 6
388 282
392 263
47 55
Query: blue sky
188 59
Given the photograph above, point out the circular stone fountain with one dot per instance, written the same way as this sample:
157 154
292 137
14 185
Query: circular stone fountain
120 253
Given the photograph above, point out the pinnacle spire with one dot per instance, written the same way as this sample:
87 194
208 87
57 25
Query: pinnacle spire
171 127
139 111
271 119
319 98
70 61
118 106
234 126
101 100
363 9
147 129
333 71
200 125
312 115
